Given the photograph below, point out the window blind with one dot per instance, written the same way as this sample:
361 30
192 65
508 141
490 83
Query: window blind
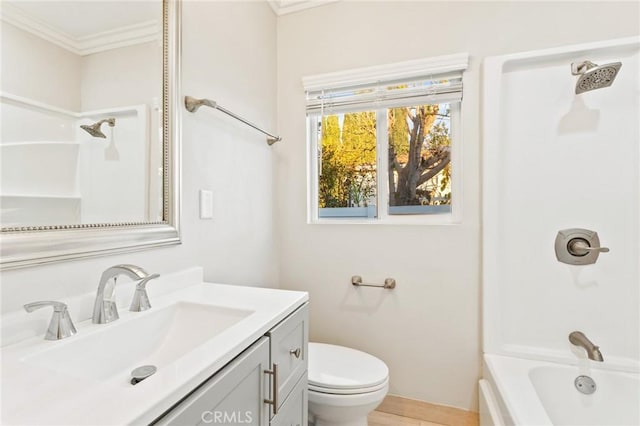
429 81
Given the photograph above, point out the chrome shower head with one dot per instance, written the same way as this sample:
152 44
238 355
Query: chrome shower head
594 76
94 129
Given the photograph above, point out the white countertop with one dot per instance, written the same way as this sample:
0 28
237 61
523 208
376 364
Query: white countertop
38 395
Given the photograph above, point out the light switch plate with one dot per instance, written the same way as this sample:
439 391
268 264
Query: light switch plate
206 204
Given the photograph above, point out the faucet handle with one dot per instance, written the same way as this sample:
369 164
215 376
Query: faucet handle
142 284
57 306
140 301
60 325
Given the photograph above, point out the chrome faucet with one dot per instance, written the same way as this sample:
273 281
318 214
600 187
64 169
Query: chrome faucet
104 309
579 339
60 325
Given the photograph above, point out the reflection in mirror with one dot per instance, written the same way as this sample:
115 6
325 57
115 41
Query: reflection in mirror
81 107
90 142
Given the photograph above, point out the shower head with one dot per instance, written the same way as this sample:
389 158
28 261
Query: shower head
594 76
94 129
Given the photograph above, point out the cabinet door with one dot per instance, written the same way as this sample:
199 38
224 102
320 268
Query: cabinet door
234 395
289 344
294 409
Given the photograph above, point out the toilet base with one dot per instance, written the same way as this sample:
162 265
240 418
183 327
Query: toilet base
344 410
356 422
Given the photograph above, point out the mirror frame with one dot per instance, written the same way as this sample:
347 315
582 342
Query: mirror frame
35 245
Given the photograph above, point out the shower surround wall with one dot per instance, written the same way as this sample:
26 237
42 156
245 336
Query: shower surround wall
39 163
114 172
556 160
85 175
54 173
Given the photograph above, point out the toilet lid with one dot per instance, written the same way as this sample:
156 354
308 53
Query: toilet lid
337 367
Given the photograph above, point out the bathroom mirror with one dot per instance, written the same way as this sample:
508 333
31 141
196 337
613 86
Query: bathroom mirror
90 138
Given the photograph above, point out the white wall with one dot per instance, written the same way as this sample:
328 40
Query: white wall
219 154
428 328
30 65
129 75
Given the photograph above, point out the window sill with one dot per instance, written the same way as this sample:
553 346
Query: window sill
407 215
432 220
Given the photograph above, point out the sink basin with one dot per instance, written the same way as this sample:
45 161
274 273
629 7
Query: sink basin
194 329
157 338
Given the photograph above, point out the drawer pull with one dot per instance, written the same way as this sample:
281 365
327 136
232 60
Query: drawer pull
274 388
295 352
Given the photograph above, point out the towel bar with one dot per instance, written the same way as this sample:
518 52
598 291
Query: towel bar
389 283
192 104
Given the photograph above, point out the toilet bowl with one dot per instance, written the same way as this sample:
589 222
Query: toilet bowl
345 385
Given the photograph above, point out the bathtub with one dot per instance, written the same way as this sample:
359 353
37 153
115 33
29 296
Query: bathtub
518 391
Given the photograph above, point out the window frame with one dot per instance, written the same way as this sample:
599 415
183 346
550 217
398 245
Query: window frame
418 68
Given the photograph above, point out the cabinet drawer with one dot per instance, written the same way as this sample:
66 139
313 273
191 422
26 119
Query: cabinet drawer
294 408
288 342
233 395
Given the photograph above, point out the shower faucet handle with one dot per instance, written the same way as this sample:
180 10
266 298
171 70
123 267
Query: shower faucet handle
577 246
580 247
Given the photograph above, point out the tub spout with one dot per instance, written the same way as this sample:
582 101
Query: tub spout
579 339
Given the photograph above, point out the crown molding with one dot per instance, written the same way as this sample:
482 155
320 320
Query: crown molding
123 36
93 43
284 7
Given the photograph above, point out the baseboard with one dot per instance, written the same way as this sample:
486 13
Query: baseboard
421 410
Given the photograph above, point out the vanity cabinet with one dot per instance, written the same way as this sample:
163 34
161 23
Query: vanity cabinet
232 396
293 412
271 373
288 343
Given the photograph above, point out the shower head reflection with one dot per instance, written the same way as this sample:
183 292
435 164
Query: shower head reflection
94 129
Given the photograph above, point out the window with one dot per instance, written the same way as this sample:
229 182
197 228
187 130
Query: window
384 141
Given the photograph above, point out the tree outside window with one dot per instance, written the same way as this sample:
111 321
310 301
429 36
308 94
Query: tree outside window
419 158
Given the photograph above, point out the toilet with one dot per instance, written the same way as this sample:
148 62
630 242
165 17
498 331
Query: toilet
345 385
